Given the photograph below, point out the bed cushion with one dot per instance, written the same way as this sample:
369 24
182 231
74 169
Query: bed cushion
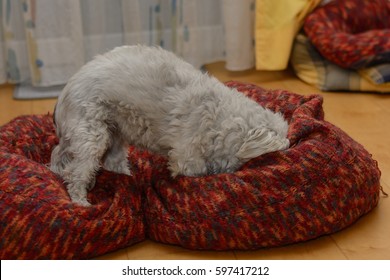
351 33
38 220
323 183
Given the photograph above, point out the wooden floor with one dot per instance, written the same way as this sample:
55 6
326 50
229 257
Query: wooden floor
365 117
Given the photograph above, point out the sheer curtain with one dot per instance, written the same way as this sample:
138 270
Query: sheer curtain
43 42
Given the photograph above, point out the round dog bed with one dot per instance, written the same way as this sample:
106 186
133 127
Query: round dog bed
351 33
324 182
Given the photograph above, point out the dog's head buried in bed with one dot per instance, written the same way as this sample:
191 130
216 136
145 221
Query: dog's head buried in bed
150 98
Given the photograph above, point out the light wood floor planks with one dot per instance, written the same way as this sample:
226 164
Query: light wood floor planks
365 117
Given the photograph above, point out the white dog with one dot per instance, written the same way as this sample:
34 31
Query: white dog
148 97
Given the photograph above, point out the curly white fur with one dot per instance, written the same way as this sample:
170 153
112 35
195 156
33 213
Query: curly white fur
148 97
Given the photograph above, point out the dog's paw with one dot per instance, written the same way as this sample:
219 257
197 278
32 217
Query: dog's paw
121 167
82 202
115 159
124 170
78 194
188 168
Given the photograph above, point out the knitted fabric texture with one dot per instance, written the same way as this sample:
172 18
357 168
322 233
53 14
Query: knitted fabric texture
351 33
38 220
323 183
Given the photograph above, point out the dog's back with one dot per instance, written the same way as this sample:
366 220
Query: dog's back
146 80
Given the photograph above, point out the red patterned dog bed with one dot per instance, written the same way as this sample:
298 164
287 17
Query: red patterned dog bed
351 33
38 220
324 182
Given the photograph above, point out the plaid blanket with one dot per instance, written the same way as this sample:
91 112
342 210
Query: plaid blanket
379 74
314 69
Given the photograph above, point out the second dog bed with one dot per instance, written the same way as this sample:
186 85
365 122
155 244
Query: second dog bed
351 33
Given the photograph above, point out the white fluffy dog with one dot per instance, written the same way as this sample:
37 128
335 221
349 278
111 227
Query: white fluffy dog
148 97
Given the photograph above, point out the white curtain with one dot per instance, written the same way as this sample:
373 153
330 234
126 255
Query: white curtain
44 42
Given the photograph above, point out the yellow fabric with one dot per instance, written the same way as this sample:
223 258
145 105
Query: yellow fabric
277 23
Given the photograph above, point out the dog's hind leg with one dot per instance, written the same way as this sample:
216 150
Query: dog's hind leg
60 157
115 159
89 144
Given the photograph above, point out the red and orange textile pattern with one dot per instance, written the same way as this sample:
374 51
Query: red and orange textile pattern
323 183
351 33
